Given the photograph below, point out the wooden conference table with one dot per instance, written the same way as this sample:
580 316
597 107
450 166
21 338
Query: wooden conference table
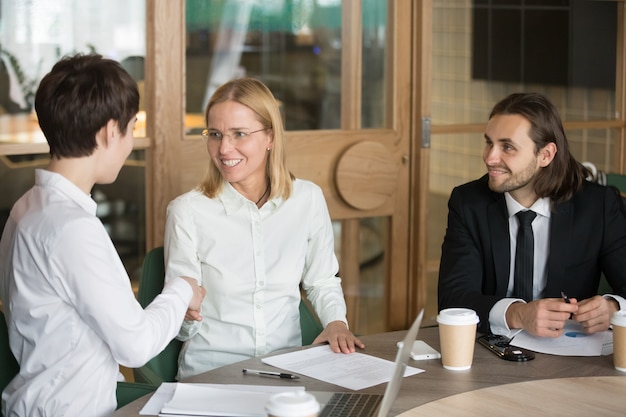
548 385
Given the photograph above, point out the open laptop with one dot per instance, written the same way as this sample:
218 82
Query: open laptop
348 404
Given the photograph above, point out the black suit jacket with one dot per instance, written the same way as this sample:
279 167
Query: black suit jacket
587 238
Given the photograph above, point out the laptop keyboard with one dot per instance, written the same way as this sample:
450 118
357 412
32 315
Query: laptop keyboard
347 404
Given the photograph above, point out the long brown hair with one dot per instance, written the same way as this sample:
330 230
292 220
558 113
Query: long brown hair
564 176
255 95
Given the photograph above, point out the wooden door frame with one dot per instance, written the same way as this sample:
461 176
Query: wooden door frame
165 108
421 35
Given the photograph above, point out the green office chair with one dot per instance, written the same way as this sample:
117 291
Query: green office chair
126 391
618 181
164 367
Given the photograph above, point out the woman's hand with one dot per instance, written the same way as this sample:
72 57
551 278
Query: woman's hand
340 339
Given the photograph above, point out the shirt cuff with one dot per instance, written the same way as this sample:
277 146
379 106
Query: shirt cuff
620 300
497 317
189 329
179 286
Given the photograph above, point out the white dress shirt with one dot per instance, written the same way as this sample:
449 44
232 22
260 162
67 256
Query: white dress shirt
251 262
70 308
541 233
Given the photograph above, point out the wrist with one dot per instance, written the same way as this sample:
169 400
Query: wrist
513 315
341 322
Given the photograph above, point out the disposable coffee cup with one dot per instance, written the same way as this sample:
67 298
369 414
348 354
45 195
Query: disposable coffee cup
457 335
292 404
619 340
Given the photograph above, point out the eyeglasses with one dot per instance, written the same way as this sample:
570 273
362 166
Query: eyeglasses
217 136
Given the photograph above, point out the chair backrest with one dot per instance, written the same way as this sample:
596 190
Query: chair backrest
8 365
619 182
164 366
309 324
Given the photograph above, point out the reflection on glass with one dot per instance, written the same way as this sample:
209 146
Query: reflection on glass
465 84
34 34
121 205
294 47
373 91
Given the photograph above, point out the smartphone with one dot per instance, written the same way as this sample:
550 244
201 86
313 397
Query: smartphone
422 351
500 346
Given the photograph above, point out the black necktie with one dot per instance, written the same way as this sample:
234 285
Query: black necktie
524 264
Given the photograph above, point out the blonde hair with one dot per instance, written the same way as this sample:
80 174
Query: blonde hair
255 95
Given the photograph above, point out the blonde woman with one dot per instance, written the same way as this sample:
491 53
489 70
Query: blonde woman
252 234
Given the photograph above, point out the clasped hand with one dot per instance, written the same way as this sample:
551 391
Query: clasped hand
547 317
193 312
340 339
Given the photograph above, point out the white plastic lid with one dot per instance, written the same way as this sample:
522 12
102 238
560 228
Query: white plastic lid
292 404
457 316
619 318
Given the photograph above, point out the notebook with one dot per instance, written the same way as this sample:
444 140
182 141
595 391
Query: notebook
348 404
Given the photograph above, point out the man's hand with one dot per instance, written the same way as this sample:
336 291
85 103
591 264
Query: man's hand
595 313
339 338
545 318
193 311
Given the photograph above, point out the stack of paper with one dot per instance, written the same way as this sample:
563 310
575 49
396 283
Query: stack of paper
354 371
176 399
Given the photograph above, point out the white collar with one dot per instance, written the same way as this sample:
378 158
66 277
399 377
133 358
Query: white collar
541 206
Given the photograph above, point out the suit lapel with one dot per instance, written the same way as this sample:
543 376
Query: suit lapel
498 222
561 222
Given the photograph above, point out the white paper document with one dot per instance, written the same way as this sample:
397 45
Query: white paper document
178 399
573 342
354 371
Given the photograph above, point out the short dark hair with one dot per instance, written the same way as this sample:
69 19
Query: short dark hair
564 176
78 97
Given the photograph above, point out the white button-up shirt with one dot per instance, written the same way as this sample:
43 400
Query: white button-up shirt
541 233
251 262
71 312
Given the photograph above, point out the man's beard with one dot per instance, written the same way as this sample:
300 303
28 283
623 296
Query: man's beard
514 181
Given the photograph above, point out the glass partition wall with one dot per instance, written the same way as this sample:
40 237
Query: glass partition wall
294 47
33 36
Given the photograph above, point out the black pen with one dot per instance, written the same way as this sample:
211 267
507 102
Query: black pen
268 373
566 299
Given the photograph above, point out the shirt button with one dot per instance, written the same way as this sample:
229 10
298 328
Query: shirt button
258 306
261 283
